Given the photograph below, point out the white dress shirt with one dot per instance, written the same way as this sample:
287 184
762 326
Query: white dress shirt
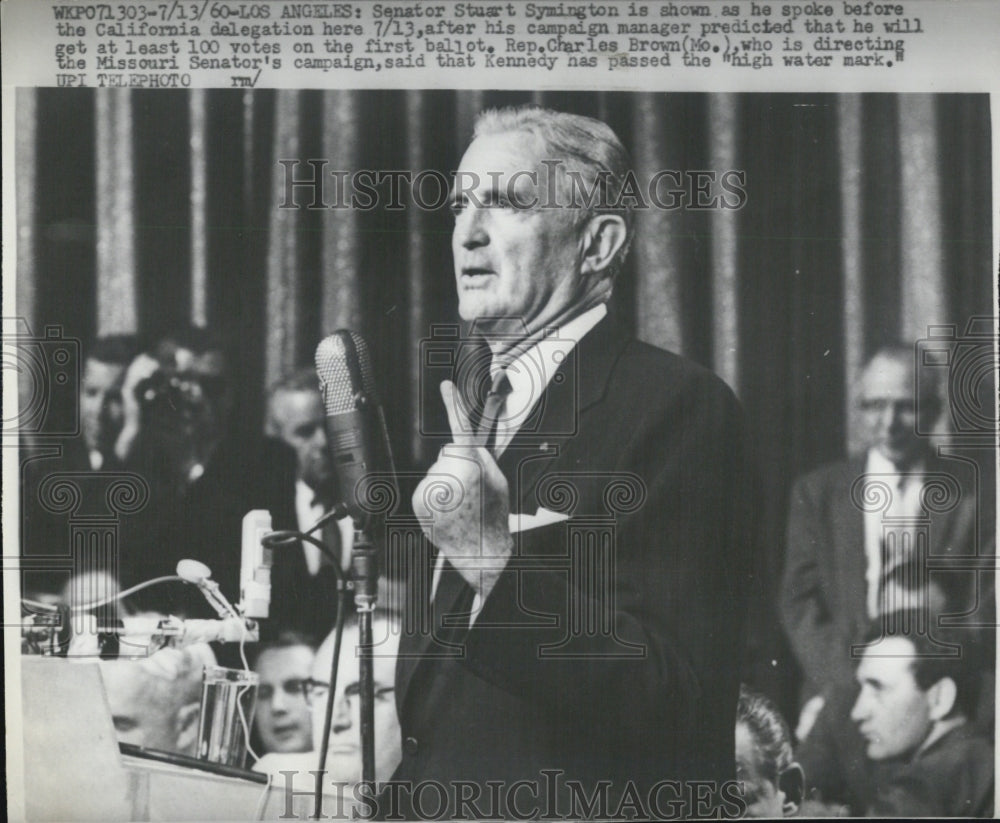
307 511
906 488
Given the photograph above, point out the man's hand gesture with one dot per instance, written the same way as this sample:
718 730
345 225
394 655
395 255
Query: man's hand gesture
463 503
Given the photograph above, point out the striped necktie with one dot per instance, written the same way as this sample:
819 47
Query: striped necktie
492 411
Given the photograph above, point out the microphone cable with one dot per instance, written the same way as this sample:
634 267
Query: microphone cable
288 537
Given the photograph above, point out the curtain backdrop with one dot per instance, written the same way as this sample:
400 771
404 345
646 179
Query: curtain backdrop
867 219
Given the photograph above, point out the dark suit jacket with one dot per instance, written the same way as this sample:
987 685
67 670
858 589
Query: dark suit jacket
953 777
300 601
59 487
203 521
823 596
609 650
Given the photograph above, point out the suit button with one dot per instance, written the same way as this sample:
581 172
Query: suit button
411 746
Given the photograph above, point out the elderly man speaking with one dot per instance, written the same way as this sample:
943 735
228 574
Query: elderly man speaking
589 519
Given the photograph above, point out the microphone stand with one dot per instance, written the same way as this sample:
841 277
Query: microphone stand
364 564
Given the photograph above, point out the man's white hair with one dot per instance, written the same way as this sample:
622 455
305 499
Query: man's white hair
584 145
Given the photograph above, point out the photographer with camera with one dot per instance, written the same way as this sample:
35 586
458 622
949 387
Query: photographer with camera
179 434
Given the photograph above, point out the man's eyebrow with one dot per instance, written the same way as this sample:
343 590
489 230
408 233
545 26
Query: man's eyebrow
123 723
461 189
459 197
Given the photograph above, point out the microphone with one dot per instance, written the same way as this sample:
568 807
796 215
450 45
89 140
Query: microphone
358 443
193 571
256 561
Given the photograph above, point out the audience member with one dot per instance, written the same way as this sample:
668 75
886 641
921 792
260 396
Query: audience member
832 750
203 477
838 542
343 762
44 533
916 699
772 780
155 700
102 413
283 719
303 583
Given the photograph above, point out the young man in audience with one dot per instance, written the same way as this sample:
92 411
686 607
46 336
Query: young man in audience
44 528
283 719
840 776
914 710
343 761
303 581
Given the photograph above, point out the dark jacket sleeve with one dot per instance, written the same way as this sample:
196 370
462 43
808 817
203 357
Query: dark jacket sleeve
805 612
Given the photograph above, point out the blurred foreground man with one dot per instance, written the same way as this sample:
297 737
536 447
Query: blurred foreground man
283 719
155 701
590 518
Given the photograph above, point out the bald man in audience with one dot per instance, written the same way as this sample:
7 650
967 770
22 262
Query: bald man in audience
155 701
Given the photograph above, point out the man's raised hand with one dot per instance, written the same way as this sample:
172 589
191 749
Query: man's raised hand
463 502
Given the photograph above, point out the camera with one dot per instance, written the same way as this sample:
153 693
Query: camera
175 396
47 370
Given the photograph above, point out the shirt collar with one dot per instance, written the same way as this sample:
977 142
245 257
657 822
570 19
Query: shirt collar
533 368
878 463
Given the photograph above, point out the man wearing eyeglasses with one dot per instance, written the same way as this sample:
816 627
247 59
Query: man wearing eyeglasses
343 760
851 522
284 718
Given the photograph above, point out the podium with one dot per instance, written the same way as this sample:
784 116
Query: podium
75 771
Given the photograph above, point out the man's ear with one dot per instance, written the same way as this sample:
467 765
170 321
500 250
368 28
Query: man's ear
792 784
941 697
603 237
187 728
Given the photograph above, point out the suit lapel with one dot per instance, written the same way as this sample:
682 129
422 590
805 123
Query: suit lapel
579 382
848 522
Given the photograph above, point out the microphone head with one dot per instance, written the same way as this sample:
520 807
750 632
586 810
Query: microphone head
344 368
193 571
